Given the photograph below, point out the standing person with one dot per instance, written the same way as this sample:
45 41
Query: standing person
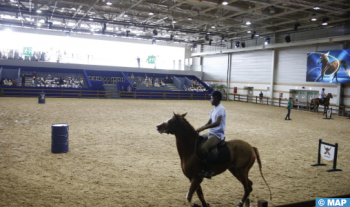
322 96
289 107
216 135
261 95
138 61
23 80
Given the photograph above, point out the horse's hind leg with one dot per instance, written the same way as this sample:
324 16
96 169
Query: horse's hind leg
242 176
201 196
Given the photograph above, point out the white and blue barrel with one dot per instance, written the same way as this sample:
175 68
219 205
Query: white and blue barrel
59 138
41 98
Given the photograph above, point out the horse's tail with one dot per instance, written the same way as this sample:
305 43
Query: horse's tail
259 162
343 63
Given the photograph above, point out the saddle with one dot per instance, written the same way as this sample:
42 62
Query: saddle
219 154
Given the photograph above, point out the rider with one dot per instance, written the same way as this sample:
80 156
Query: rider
322 96
216 124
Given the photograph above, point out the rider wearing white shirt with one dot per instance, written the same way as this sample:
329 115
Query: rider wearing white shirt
322 95
217 125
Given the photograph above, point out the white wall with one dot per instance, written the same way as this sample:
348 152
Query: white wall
290 72
215 69
251 69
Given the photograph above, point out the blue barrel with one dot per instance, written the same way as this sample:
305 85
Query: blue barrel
59 137
41 98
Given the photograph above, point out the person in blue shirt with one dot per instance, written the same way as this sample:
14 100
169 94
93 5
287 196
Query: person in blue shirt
216 126
289 107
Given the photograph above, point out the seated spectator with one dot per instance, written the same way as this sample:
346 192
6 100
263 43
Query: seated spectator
9 83
14 82
33 74
135 85
132 75
129 88
49 77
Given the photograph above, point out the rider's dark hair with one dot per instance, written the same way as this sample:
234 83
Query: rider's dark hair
217 94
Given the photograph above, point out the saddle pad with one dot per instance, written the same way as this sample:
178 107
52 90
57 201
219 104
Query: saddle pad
224 155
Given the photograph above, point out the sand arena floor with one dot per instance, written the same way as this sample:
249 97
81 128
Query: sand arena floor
117 158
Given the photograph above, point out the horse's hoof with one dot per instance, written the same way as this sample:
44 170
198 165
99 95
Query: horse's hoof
247 202
239 204
208 205
196 205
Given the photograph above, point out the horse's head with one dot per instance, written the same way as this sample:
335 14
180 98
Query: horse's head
329 95
170 125
323 57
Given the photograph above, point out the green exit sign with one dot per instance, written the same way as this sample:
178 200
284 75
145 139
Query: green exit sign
151 59
27 51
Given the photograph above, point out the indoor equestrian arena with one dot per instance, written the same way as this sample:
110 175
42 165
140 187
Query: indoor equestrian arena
117 158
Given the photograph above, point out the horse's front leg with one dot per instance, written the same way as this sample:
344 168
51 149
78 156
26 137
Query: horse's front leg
195 183
201 197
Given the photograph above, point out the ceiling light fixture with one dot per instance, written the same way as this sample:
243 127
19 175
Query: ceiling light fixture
213 27
125 15
224 3
313 19
38 11
249 31
189 18
109 3
317 8
91 19
267 41
174 21
325 21
150 13
248 23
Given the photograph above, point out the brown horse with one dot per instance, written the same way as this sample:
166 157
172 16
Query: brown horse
316 103
240 159
330 68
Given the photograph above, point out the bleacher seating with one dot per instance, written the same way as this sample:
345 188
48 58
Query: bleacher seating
107 80
65 76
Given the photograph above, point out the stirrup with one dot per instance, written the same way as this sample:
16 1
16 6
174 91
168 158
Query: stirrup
205 174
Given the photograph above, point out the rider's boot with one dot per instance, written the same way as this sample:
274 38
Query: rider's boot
206 173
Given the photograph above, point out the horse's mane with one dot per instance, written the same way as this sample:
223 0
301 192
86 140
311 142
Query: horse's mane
187 124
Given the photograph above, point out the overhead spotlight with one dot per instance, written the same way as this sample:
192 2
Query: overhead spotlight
287 38
325 21
150 13
243 44
154 42
210 41
208 33
127 33
125 15
155 32
207 37
317 8
109 3
38 11
174 21
38 24
190 18
237 44
248 23
257 35
253 35
171 37
267 41
91 19
249 31
313 19
67 34
224 3
296 25
213 27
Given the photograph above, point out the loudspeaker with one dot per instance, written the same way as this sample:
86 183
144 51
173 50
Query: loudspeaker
287 38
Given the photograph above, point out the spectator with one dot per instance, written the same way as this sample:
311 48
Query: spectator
129 88
261 96
23 80
33 74
135 85
9 83
14 82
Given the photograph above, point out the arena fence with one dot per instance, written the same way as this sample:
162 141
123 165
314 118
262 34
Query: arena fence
165 95
307 106
54 93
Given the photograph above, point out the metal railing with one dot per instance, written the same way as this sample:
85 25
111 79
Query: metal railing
307 106
54 93
165 95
